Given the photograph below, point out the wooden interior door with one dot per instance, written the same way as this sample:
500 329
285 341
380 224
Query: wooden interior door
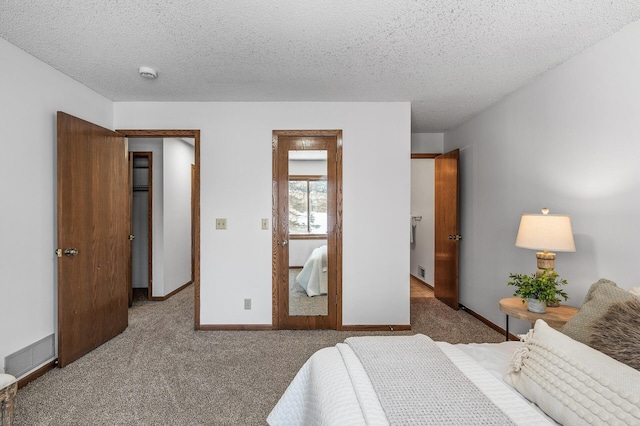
93 236
285 142
447 228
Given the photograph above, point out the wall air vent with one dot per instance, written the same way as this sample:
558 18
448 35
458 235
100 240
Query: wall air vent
21 362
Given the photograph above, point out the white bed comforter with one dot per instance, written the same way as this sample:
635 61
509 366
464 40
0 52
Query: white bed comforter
313 277
333 388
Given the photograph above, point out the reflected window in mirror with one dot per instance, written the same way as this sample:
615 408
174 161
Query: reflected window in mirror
308 205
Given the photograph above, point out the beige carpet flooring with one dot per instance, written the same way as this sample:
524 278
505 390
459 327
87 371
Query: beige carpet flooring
300 303
161 372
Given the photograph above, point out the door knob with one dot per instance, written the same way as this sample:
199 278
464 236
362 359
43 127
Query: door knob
71 252
284 243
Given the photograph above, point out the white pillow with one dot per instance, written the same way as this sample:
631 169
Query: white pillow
572 382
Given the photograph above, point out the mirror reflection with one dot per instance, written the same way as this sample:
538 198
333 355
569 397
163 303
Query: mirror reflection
308 266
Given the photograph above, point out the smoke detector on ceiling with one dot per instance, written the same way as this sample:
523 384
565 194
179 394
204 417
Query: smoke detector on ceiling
147 72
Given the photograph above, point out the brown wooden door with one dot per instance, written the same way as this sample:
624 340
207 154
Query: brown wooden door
93 221
447 231
284 143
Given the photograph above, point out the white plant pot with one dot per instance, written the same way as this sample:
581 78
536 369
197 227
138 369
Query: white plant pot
535 305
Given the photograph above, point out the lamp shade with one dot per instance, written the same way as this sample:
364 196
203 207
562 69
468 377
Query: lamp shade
550 232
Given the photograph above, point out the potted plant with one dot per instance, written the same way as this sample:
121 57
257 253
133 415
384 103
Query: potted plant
539 290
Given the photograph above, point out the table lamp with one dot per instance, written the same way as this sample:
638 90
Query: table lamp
545 232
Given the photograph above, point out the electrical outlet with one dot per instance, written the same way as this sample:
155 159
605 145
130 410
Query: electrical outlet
265 223
247 304
221 223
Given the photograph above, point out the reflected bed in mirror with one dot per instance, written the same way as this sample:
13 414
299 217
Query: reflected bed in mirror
313 277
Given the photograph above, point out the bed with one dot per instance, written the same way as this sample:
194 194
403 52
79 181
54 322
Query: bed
313 277
551 377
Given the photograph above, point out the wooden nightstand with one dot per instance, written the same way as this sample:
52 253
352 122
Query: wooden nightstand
555 317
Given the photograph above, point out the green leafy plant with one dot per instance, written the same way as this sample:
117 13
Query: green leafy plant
544 287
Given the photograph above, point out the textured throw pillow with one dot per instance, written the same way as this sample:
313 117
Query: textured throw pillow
573 383
617 333
599 298
635 291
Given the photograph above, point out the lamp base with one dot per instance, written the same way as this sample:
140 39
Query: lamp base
546 262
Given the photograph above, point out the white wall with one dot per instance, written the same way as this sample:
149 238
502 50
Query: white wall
236 184
308 167
178 156
31 93
427 143
570 142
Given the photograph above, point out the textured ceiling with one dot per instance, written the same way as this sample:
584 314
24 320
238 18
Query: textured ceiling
451 59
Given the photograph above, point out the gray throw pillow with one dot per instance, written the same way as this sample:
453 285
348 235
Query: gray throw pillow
597 302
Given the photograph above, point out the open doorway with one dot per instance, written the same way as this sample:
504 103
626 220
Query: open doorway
161 216
435 212
174 202
422 219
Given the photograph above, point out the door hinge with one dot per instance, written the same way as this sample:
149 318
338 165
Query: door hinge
59 252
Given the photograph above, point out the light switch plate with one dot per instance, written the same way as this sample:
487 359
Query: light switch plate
221 223
265 223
